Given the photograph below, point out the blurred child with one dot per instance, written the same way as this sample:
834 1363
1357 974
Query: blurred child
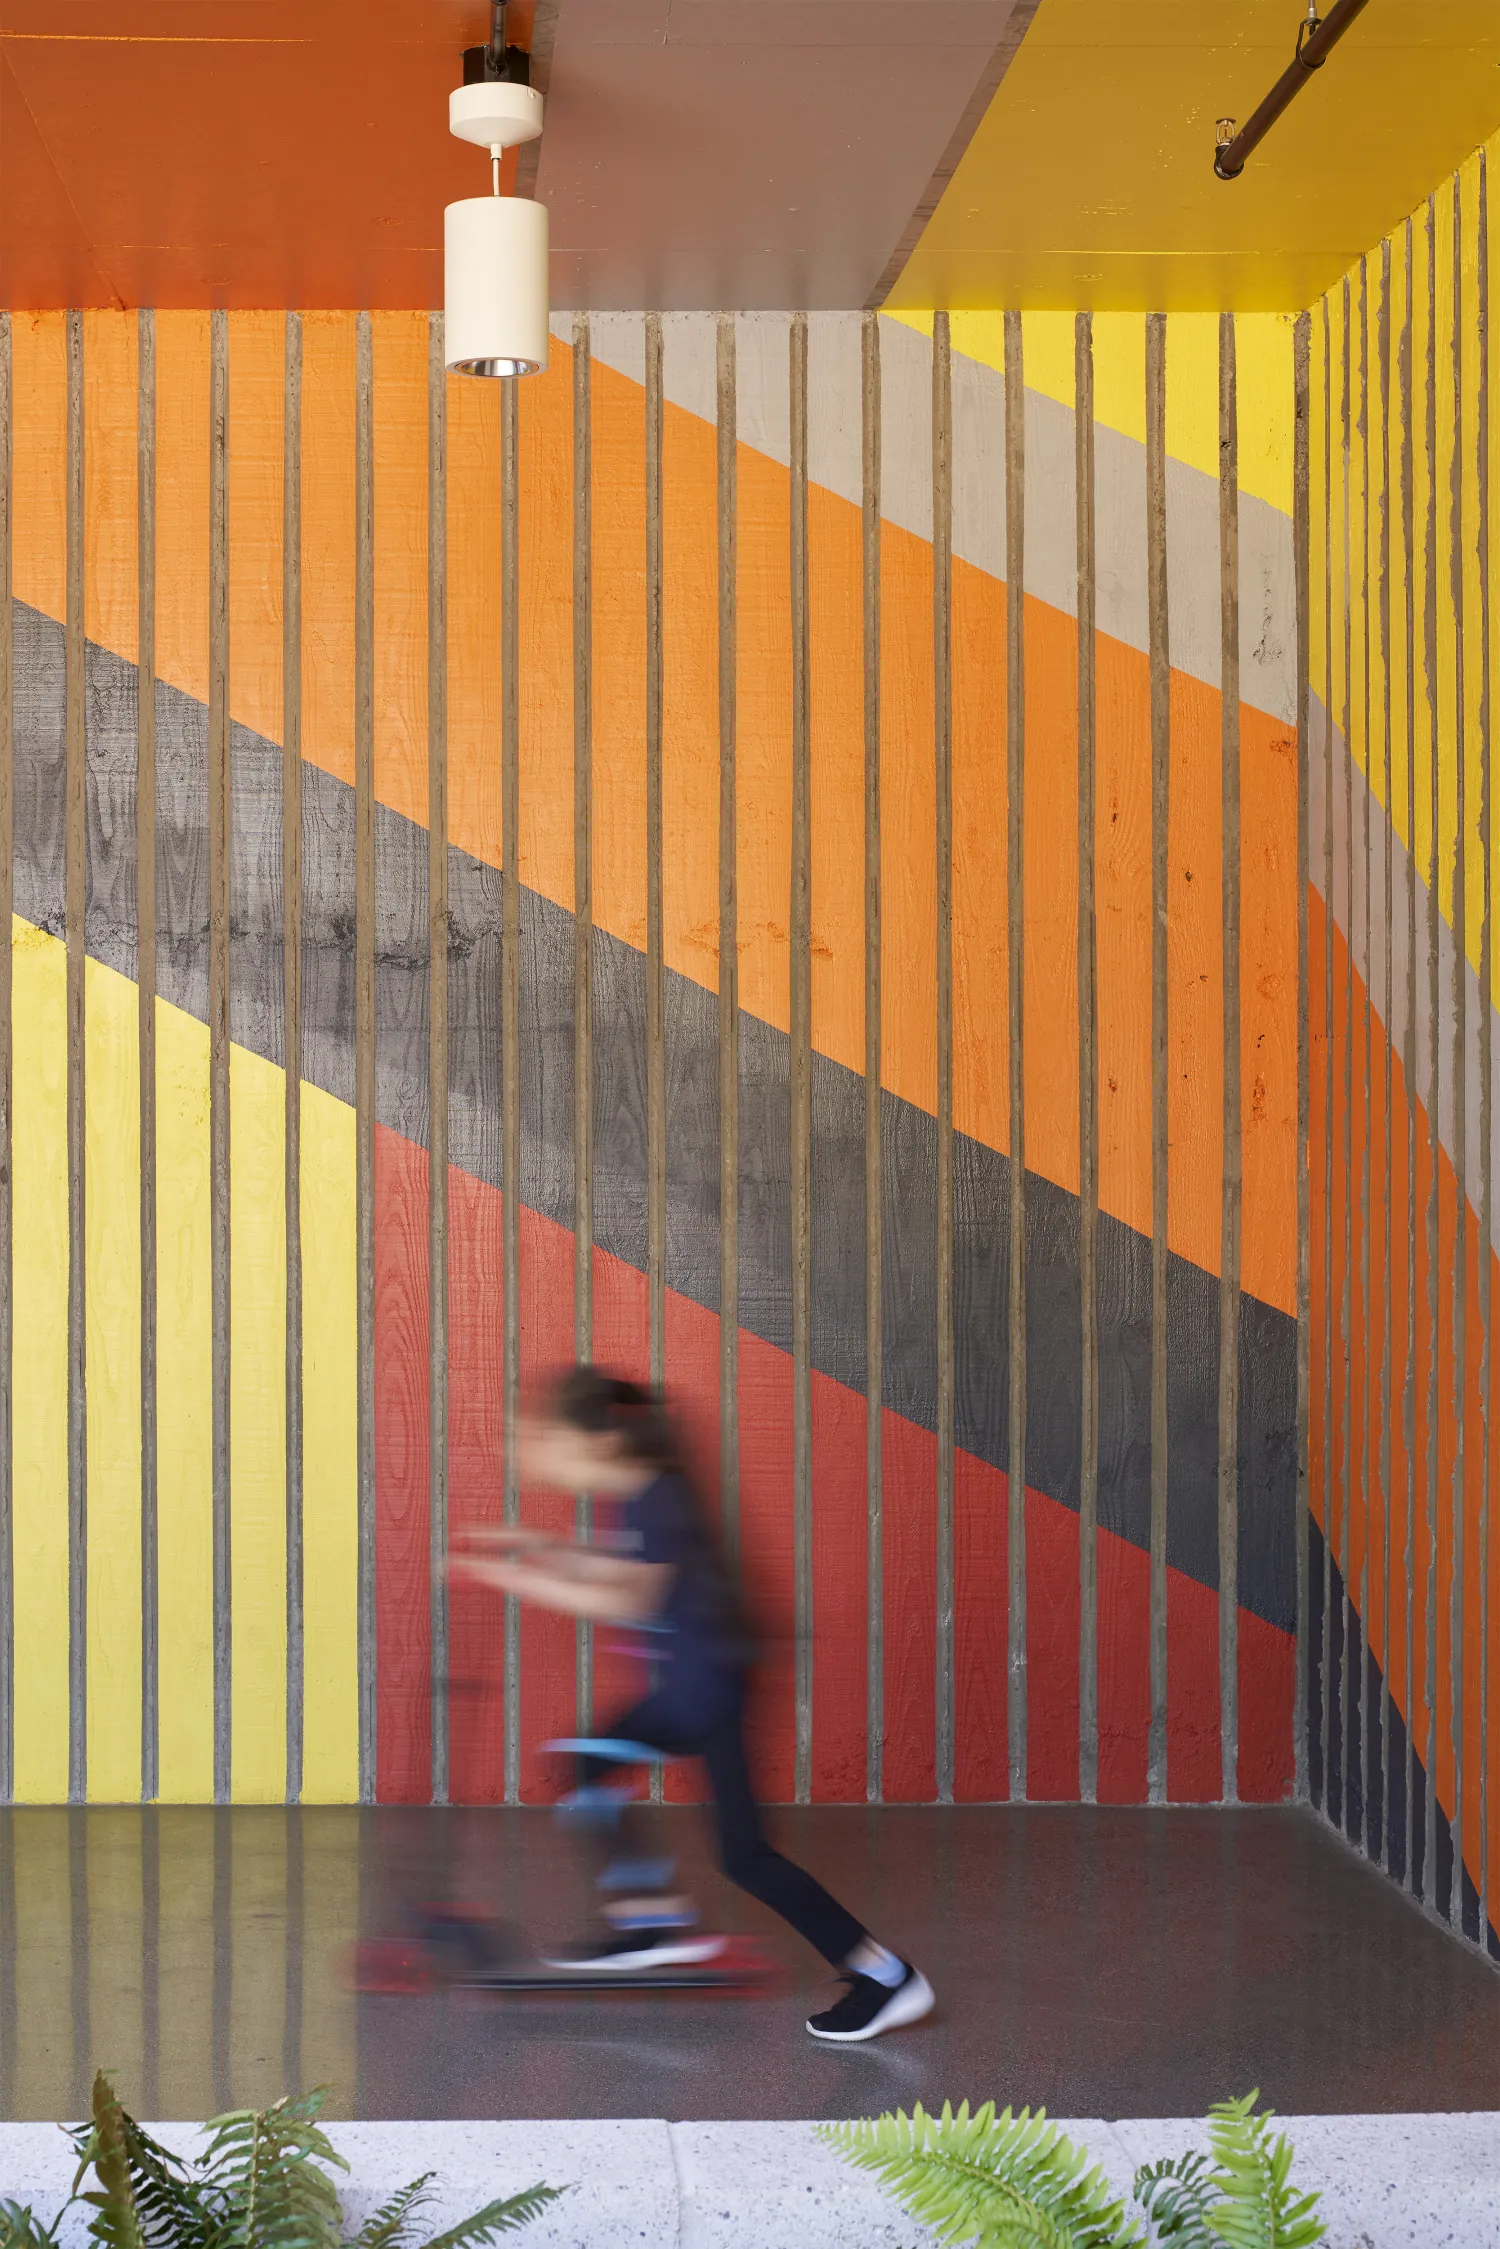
663 1576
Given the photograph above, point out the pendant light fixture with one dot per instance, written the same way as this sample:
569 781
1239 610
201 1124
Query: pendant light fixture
495 246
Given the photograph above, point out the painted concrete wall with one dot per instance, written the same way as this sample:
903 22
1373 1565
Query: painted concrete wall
607 867
1402 1047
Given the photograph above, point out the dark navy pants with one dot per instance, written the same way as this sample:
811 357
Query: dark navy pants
745 1854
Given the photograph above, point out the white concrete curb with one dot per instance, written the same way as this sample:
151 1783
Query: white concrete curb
1387 2182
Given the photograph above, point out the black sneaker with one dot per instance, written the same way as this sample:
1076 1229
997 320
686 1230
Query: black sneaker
637 1949
867 2007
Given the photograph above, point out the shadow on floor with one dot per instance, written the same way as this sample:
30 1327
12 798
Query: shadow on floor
1104 1962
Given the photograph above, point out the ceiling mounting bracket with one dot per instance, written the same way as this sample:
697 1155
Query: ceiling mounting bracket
1310 23
496 63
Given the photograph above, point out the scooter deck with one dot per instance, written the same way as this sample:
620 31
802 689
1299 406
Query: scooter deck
397 1968
703 1975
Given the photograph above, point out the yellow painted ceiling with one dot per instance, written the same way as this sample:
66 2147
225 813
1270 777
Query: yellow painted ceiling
1090 180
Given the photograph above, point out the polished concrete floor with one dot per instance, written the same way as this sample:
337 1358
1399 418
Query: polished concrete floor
1107 1963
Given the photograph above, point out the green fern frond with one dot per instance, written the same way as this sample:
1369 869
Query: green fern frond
144 2198
169 2208
1258 2206
21 2229
263 2178
1004 2181
262 2183
389 2227
497 2218
1177 2194
116 2223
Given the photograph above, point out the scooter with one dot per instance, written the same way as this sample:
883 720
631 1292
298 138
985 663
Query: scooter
444 1945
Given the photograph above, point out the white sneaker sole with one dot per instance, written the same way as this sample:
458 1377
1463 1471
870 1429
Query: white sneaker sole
688 1952
909 2004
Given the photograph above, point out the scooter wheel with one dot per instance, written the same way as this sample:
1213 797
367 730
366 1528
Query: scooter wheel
394 1967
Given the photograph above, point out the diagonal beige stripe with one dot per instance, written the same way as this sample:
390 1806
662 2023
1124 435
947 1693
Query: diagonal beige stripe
1268 624
1346 905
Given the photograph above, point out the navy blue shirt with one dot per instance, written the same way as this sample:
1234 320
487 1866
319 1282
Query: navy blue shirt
694 1640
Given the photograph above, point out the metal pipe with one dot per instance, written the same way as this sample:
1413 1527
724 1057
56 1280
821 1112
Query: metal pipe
1312 52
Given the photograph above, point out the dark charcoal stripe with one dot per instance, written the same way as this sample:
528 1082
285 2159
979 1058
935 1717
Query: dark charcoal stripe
328 933
839 1334
256 930
908 1291
765 1088
110 859
1268 1462
981 1296
544 1023
619 1135
475 1042
1193 1425
40 773
182 851
692 1020
909 1157
1054 1342
401 976
1124 1404
1355 1779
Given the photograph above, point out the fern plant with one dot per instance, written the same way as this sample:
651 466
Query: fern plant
262 2182
1244 2200
1003 2181
1011 2181
19 2229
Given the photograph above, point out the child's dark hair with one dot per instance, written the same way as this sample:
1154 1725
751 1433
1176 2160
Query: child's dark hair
601 1404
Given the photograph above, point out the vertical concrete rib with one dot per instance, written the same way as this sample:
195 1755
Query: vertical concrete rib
1405 409
1088 1071
218 1034
75 849
1348 1247
1161 759
583 926
1434 747
364 1029
291 1001
1301 495
1386 1406
437 1044
942 734
1326 1665
874 1244
800 1020
1367 1443
656 1011
1015 740
729 968
1459 1091
1229 1244
145 906
510 1038
7 893
1486 1020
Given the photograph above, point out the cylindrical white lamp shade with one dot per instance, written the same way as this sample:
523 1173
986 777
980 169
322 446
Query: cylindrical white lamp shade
495 277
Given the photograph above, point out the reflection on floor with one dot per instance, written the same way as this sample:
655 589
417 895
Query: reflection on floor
1107 1963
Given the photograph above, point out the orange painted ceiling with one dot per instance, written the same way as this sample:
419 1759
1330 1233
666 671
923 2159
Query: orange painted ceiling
296 152
269 152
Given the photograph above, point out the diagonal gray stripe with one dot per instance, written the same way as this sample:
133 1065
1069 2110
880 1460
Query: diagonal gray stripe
837 1289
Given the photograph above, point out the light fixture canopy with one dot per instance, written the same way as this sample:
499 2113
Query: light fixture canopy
495 246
